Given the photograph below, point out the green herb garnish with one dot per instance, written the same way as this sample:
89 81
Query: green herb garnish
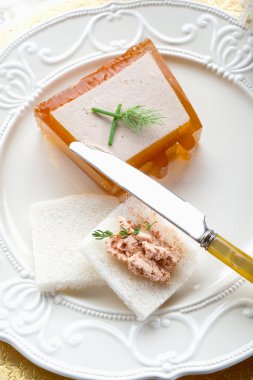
99 234
137 118
123 233
114 125
148 226
137 231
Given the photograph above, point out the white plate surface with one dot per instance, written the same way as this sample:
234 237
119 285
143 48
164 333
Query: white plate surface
91 333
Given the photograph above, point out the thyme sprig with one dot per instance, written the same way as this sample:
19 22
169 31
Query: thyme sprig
123 233
148 226
136 118
99 234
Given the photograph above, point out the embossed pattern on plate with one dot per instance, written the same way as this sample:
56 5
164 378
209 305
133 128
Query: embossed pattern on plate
63 332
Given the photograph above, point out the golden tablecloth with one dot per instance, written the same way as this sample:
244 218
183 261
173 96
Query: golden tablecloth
14 366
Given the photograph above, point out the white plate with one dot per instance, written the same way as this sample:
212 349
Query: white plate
207 325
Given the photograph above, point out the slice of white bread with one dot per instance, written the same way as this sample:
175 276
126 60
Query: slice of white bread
58 227
141 295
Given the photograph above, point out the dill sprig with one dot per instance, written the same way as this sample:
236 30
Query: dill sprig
136 118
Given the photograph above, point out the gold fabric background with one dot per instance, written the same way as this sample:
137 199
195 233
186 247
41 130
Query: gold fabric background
14 366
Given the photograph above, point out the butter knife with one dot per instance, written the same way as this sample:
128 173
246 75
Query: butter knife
180 213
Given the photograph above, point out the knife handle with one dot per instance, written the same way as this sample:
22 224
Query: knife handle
232 256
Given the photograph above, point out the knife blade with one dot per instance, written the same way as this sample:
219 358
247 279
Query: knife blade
179 212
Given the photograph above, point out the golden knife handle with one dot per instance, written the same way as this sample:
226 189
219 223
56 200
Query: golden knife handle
232 256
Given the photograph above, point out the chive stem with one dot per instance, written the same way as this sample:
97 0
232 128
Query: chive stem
104 112
114 124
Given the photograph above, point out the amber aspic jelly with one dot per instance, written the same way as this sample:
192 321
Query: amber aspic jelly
130 79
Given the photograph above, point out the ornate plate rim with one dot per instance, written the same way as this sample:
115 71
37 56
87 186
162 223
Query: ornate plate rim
133 3
18 343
